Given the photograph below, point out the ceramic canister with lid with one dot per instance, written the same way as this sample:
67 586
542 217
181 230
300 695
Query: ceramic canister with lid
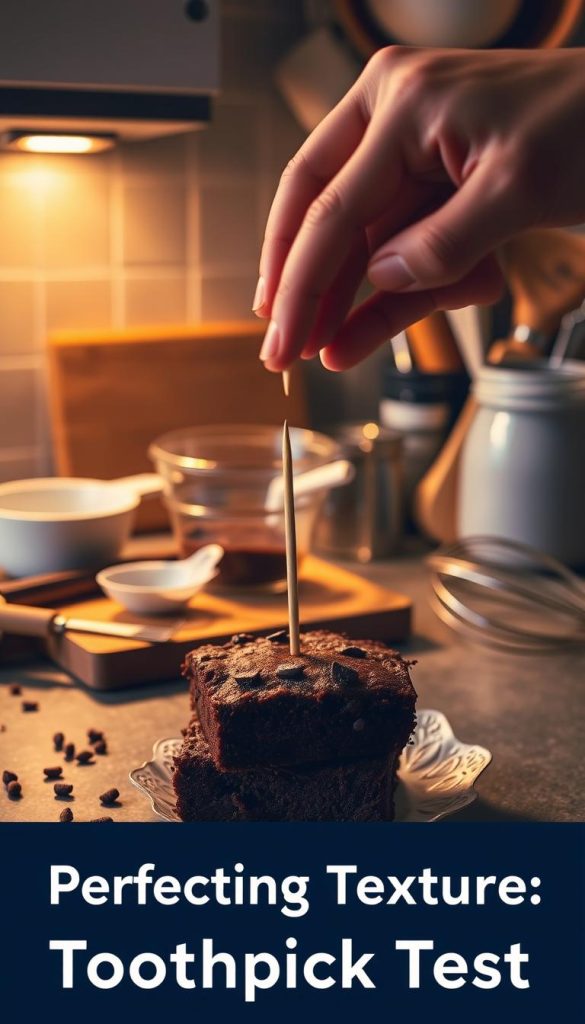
522 470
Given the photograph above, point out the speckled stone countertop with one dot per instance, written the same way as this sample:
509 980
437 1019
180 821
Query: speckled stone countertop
528 710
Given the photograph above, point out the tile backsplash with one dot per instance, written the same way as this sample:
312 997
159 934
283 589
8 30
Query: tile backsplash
165 231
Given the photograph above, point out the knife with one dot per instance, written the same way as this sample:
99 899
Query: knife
25 620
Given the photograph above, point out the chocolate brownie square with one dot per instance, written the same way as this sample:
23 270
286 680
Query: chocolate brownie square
338 700
355 791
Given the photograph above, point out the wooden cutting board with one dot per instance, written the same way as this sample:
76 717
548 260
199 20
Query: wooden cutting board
329 596
113 392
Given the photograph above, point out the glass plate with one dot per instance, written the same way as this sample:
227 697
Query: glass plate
436 776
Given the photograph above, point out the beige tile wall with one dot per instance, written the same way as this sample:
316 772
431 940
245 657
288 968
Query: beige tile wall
155 232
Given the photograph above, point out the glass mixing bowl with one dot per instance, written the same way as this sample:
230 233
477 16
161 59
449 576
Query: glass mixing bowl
216 482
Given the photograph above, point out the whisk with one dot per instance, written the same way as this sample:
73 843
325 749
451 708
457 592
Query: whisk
508 594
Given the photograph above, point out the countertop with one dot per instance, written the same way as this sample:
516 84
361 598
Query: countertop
529 710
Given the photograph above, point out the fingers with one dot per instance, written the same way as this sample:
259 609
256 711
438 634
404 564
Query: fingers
443 247
367 185
319 159
384 315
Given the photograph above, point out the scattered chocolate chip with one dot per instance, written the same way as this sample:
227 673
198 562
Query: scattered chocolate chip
85 757
247 678
353 652
290 671
14 790
66 814
69 751
30 705
280 637
202 658
94 735
58 740
63 789
94 821
15 690
2 727
109 797
209 675
343 674
8 777
359 725
53 773
101 747
242 638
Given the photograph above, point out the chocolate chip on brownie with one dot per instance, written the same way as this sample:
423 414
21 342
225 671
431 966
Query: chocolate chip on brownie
280 637
343 674
353 652
290 671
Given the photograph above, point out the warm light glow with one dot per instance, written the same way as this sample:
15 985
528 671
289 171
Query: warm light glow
44 142
371 431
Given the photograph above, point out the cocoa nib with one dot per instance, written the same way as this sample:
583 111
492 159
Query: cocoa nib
343 674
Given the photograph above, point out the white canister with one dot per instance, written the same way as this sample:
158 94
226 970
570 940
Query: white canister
522 470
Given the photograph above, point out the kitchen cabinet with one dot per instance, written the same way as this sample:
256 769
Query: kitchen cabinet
139 60
135 44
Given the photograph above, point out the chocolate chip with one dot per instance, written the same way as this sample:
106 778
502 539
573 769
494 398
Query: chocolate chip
290 671
85 757
15 690
353 652
94 821
242 638
53 773
202 658
58 740
343 674
101 747
66 814
30 705
69 751
94 735
2 727
209 675
8 777
247 678
14 790
63 789
280 637
359 725
110 796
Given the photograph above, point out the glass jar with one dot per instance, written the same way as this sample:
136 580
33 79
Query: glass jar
216 484
522 470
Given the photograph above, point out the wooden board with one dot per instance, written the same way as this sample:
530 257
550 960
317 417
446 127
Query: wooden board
112 393
329 596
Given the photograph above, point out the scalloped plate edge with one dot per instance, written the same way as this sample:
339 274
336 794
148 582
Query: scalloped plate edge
437 773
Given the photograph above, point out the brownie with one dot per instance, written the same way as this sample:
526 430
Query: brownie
339 699
356 791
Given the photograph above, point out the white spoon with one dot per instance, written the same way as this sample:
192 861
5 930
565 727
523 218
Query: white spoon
149 588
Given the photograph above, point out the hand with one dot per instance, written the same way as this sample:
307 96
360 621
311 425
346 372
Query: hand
431 160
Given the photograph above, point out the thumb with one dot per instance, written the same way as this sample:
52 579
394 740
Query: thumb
444 246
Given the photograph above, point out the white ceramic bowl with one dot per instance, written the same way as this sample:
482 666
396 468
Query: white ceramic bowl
52 524
153 588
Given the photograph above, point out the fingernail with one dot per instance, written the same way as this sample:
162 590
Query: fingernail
391 273
258 295
270 343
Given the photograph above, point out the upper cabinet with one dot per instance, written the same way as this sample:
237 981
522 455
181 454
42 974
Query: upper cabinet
119 44
103 59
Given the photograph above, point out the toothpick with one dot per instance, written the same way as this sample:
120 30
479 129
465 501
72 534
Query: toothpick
291 544
286 382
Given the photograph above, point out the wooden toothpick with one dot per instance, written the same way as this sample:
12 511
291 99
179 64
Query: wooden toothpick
291 544
286 382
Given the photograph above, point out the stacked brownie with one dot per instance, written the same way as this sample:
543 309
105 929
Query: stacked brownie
273 737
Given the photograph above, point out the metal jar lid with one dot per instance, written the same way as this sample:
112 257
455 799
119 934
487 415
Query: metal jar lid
357 439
